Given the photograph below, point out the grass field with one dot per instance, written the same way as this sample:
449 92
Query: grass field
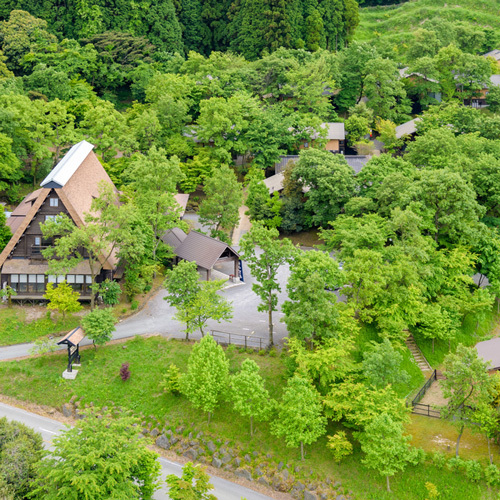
394 23
14 329
39 380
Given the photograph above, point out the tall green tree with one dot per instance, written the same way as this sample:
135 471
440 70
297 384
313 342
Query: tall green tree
311 311
330 182
224 196
104 228
154 178
466 386
100 458
207 375
250 397
300 415
206 304
385 446
182 285
265 254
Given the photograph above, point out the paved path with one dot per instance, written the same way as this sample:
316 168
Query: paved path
243 226
49 428
158 317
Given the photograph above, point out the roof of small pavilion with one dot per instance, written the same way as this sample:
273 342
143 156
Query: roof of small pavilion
489 350
73 338
198 247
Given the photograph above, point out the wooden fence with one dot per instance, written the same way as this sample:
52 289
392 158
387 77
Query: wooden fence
422 409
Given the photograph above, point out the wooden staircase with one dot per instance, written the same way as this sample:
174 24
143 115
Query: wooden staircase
419 358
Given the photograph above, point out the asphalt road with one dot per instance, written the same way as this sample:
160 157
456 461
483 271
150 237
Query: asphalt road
48 428
158 317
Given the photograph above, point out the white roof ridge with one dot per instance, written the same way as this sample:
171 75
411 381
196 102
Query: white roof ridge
64 170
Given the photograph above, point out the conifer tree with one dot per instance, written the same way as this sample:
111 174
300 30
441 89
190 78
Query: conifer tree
277 29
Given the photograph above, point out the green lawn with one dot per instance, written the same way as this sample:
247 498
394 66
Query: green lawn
14 329
39 380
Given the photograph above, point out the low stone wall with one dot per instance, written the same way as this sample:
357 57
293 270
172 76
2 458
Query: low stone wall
299 481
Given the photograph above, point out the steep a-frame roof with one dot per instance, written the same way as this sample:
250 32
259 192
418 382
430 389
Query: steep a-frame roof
24 224
76 180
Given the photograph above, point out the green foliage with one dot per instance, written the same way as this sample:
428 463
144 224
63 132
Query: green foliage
44 346
100 457
193 484
110 292
220 209
250 397
330 181
381 365
264 265
493 99
172 380
206 377
386 448
62 298
300 415
467 381
20 450
311 313
339 445
99 326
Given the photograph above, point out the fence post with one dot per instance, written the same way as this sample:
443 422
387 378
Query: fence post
245 341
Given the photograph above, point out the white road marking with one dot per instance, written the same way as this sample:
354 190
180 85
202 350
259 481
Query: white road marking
45 430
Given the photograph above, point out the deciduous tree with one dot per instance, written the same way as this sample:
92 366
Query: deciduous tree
300 415
99 458
466 385
265 254
385 446
250 397
207 375
220 209
99 326
62 298
194 484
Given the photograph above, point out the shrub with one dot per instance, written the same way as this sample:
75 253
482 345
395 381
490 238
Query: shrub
125 372
418 457
492 474
134 305
455 464
171 380
43 346
262 352
439 460
473 470
273 352
339 445
432 491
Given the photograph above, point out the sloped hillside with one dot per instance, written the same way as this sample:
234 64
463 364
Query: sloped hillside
391 25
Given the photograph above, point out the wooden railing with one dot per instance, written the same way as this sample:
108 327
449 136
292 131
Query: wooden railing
247 341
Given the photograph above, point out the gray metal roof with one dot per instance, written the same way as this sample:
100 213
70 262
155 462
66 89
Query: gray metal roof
407 128
197 247
357 162
63 171
489 351
495 79
494 53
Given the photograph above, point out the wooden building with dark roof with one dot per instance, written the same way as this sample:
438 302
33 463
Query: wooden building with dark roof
68 189
202 249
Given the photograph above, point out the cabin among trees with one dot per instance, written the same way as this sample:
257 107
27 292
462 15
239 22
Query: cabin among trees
68 189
